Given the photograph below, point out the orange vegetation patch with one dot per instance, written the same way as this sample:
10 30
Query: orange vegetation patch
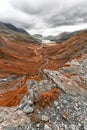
7 86
37 78
46 98
34 117
33 77
13 97
12 93
67 65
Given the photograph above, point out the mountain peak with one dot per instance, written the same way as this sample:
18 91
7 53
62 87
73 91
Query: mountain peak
11 27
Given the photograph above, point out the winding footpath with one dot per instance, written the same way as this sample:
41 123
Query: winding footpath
41 56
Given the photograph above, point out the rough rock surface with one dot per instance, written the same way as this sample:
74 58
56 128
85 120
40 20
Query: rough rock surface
71 79
69 112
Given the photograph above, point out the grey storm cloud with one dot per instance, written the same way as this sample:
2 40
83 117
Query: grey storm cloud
42 14
70 16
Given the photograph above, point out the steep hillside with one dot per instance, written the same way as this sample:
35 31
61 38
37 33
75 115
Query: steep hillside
7 27
59 54
16 50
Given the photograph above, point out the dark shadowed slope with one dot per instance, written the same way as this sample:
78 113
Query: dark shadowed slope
10 27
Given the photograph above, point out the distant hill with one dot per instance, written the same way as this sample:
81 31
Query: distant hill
39 37
15 33
62 36
11 27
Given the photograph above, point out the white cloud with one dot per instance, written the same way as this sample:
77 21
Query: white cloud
45 16
57 30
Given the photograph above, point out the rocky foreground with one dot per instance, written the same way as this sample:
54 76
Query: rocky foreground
57 102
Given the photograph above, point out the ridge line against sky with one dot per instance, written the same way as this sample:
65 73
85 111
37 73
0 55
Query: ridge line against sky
45 16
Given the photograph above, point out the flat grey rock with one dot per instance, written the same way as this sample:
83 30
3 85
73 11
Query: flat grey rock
11 128
46 127
45 118
85 125
28 109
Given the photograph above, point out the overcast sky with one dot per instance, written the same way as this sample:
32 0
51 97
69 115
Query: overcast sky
45 16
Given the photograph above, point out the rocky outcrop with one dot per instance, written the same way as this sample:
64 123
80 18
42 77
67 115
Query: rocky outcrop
66 113
71 79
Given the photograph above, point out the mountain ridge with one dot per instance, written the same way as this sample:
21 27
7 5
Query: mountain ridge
12 27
